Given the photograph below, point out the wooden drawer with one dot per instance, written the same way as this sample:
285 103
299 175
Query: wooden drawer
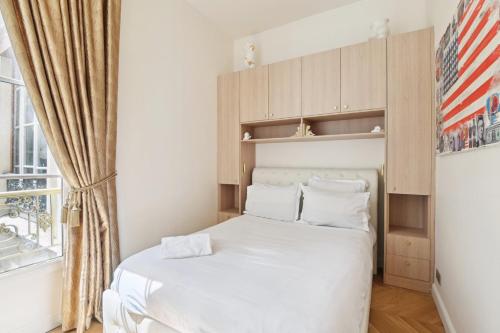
224 216
407 246
411 268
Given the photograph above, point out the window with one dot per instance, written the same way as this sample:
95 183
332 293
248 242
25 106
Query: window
30 183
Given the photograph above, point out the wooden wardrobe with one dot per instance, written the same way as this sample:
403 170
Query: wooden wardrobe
342 94
409 198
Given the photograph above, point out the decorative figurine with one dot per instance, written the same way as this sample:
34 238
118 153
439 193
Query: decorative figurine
299 131
308 131
250 54
380 28
246 136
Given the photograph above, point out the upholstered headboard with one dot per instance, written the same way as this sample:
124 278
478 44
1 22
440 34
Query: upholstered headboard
286 176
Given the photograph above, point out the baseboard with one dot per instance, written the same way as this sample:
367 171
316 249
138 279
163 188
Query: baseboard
443 313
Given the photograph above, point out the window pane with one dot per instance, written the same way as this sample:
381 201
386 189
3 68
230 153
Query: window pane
17 110
28 170
8 64
15 148
29 142
42 148
6 134
41 171
29 113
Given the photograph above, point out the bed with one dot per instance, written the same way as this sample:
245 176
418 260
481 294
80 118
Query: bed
265 276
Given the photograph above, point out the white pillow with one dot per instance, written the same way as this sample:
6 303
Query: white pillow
345 210
273 202
338 185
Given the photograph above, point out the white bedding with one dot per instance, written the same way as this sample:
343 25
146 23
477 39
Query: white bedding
264 276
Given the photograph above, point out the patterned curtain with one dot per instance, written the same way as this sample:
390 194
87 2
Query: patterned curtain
68 54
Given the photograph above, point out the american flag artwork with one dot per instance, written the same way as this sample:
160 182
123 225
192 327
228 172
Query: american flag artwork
468 78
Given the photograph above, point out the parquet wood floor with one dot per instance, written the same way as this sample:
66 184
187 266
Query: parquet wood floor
395 310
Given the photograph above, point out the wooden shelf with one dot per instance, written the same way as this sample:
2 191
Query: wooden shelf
325 117
347 115
407 231
272 122
233 210
351 136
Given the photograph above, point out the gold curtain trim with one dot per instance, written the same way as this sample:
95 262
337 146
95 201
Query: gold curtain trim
71 210
94 185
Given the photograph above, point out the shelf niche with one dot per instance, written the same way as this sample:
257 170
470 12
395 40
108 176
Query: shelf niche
337 126
409 214
229 198
344 126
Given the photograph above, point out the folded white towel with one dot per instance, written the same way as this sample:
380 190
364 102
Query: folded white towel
195 245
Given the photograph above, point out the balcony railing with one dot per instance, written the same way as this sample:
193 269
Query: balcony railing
30 231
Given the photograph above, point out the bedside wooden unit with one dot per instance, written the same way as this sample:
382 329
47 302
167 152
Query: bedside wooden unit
407 246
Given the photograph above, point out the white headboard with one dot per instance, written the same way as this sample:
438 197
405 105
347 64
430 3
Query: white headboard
287 176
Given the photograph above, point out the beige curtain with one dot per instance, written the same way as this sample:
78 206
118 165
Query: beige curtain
68 54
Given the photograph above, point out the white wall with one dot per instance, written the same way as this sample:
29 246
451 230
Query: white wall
170 57
336 154
31 298
467 226
331 29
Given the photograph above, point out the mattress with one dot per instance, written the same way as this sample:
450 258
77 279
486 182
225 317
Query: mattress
264 276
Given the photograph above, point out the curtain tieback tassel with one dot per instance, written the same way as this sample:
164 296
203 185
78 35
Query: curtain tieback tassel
71 210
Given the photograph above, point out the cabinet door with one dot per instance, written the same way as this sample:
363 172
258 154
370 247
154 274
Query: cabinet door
321 83
409 124
254 94
228 128
284 89
363 77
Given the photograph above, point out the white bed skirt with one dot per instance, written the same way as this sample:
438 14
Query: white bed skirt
116 319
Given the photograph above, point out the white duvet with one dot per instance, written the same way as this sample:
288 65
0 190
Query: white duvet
264 276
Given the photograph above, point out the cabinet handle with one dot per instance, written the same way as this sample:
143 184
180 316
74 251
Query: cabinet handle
408 243
407 263
335 107
272 115
244 168
346 106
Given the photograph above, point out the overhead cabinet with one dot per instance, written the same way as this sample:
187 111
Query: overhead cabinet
254 94
363 76
409 144
321 83
228 128
285 89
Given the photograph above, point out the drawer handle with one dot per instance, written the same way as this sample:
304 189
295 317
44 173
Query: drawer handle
408 243
407 263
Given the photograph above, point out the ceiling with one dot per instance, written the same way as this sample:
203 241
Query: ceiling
239 18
